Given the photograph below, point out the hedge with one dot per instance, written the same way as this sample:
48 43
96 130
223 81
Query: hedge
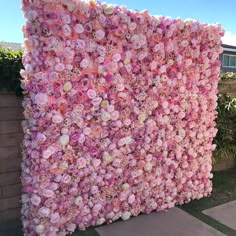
10 66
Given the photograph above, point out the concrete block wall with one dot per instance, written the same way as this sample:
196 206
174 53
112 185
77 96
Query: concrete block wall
11 115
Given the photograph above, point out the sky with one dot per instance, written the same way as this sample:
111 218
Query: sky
207 11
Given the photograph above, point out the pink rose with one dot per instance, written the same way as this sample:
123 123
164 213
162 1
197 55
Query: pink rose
47 153
59 67
165 104
41 138
39 229
81 163
64 139
48 193
96 162
57 119
71 227
66 179
84 63
94 189
55 217
116 57
97 207
41 99
78 201
80 44
131 199
87 130
35 199
79 28
66 30
132 26
44 212
99 34
115 115
91 93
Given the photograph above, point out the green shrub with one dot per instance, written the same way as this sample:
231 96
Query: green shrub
226 124
10 66
227 75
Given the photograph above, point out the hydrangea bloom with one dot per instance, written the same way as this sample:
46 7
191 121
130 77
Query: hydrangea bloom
119 113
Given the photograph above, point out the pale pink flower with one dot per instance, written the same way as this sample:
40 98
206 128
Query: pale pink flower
35 199
116 57
54 218
84 63
41 99
44 212
99 34
91 94
79 28
81 163
57 119
59 67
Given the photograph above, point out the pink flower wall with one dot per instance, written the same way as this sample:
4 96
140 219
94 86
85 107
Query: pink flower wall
119 113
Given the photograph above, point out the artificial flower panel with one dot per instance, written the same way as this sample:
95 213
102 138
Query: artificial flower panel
119 113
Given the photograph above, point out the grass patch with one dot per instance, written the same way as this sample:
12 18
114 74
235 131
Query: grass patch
224 191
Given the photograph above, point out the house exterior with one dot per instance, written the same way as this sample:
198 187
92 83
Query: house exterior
228 58
13 46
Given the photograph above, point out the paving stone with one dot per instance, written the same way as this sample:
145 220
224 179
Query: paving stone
225 214
174 222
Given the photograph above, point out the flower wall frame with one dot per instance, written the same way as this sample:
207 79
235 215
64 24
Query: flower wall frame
119 113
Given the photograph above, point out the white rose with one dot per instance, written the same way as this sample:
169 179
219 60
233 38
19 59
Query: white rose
126 215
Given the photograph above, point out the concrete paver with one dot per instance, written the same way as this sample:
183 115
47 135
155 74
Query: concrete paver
174 222
225 214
